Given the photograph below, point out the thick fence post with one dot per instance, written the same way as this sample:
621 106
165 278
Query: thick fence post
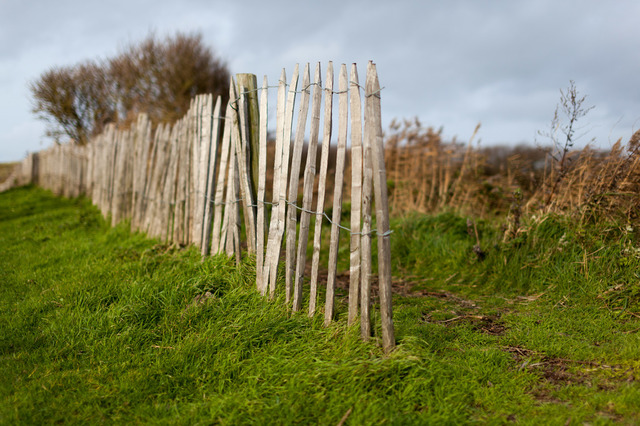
373 123
248 86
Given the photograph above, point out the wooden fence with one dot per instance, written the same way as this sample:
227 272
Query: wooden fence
199 180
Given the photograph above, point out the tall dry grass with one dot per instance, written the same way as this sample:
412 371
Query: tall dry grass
596 183
428 174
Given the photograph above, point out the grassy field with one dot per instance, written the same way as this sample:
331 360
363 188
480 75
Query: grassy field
101 325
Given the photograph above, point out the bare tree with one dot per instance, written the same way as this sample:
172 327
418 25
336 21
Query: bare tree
75 101
156 76
160 77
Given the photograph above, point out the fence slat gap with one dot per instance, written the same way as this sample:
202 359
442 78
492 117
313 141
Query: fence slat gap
374 121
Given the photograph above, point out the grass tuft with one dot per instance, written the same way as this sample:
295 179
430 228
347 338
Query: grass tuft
101 324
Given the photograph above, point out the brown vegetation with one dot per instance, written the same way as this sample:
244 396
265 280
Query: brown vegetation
427 174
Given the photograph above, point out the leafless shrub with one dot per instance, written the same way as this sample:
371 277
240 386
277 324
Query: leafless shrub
157 76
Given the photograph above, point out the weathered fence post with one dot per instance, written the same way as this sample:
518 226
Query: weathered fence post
356 194
240 145
248 86
283 134
322 185
212 155
343 117
373 123
262 183
294 180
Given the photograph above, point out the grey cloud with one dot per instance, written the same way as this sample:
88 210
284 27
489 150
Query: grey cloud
450 63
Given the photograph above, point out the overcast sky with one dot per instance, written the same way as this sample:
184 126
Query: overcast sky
451 63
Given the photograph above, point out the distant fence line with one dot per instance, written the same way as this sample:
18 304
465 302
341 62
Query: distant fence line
198 180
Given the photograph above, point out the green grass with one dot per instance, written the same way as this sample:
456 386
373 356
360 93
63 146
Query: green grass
98 324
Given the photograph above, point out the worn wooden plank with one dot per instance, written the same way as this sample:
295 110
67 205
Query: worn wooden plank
365 240
202 184
172 184
372 93
241 145
217 247
211 177
249 83
201 148
230 217
161 167
235 212
322 185
140 160
148 143
178 215
111 150
224 230
277 170
282 200
88 149
102 153
101 171
194 170
92 168
356 194
113 176
262 183
118 211
294 180
189 172
151 185
157 167
307 196
343 105
179 197
233 207
159 220
128 170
